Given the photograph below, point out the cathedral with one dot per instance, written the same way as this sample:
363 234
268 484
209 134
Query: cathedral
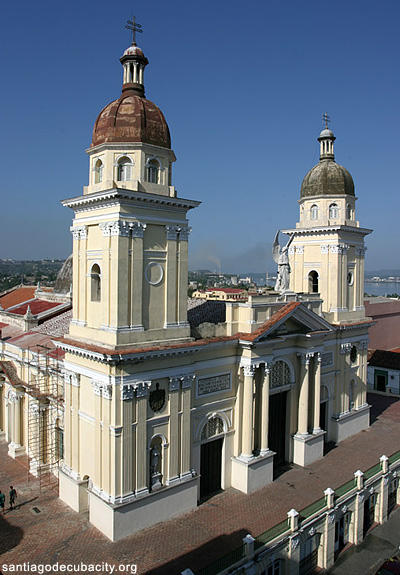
161 401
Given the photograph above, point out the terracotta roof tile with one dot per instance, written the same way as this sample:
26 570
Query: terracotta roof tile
16 296
277 316
37 306
280 314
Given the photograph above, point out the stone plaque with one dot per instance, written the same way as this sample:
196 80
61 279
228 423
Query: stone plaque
327 359
215 384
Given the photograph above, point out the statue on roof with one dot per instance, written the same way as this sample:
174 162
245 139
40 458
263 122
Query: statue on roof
281 257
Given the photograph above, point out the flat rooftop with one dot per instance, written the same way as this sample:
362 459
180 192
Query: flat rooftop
58 534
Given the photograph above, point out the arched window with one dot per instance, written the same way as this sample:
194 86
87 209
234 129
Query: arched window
313 282
95 287
314 212
124 169
348 212
98 172
156 467
333 211
153 171
214 426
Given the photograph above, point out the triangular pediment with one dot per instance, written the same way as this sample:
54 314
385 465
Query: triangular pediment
291 319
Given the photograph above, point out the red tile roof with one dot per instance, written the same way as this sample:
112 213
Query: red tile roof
226 290
37 306
16 296
279 315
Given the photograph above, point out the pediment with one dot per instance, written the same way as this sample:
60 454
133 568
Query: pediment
293 318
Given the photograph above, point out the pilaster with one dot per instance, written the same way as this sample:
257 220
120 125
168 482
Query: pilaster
247 432
174 387
265 410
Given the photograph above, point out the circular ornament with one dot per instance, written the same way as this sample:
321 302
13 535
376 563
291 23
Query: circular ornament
154 273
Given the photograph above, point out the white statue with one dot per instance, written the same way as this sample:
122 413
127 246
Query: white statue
281 257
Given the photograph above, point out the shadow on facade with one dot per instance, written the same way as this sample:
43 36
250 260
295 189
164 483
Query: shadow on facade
379 403
204 555
10 536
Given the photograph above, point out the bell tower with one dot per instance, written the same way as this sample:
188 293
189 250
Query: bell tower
327 252
130 231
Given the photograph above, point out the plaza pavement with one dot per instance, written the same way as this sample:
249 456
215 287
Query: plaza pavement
58 534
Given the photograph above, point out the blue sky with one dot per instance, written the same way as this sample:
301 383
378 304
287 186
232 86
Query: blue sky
243 87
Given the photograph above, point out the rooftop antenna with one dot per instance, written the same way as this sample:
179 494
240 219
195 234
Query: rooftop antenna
135 27
326 119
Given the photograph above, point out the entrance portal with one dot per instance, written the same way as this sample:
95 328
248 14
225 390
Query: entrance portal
277 426
210 467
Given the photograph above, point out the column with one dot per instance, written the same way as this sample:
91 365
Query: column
317 393
17 420
135 74
304 395
265 409
67 420
247 433
97 479
183 275
186 434
345 303
141 74
142 460
75 434
171 291
137 275
2 409
128 448
174 385
84 285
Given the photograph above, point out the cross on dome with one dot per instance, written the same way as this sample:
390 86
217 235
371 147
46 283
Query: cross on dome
326 119
134 27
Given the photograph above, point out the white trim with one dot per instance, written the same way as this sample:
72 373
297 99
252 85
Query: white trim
86 417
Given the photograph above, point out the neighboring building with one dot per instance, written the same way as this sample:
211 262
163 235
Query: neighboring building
164 402
221 294
384 371
385 332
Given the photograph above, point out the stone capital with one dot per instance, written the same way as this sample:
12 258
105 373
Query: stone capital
184 233
137 229
187 380
79 232
345 348
249 370
174 383
172 232
142 388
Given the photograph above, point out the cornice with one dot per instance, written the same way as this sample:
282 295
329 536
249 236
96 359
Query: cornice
327 229
116 196
131 146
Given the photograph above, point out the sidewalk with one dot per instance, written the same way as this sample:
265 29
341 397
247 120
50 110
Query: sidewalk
196 539
365 559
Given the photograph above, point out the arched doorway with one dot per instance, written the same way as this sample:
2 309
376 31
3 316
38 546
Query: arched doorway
212 440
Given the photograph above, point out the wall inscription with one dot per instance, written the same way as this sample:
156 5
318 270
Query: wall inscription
213 384
327 359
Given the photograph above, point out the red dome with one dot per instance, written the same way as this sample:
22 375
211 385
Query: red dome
131 118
